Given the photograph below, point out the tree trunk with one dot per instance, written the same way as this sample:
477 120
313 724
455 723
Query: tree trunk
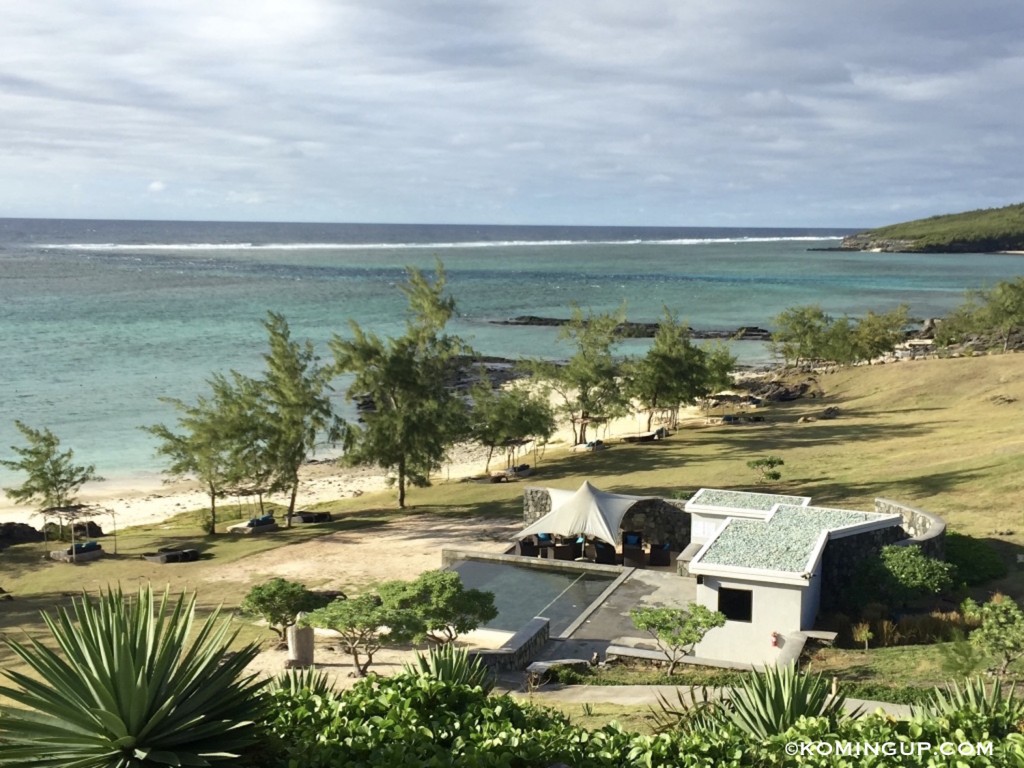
490 452
650 419
401 484
213 511
291 503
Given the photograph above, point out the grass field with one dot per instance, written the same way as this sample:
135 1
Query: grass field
943 435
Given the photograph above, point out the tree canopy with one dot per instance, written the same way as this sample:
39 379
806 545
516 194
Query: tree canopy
807 333
675 372
506 418
588 383
446 608
52 476
296 406
218 438
413 416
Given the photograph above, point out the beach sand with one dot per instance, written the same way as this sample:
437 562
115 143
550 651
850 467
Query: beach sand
147 500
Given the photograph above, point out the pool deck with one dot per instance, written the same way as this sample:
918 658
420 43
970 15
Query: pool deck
609 624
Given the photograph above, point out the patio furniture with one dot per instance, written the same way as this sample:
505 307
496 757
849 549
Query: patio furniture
601 552
632 539
661 555
527 547
634 557
255 525
561 552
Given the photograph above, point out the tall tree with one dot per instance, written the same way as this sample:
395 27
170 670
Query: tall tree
506 418
216 436
414 416
801 333
674 372
588 383
295 391
52 477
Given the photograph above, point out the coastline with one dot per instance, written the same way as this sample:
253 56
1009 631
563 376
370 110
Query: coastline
148 500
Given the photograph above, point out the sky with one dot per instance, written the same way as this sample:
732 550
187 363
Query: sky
845 113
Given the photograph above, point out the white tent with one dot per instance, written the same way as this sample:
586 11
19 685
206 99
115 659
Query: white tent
587 511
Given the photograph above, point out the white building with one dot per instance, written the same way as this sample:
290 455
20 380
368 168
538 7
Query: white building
762 567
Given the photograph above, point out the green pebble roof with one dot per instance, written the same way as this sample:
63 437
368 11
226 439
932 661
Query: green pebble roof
785 542
742 499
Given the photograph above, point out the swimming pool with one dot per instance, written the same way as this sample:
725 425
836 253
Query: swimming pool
524 591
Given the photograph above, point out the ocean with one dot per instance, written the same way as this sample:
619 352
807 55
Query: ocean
100 319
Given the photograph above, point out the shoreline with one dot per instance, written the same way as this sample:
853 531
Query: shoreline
148 499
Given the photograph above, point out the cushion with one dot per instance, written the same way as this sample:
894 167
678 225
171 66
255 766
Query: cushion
632 539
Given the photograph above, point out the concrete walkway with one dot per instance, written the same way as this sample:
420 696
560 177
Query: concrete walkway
647 695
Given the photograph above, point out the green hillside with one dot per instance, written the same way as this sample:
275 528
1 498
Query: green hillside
991 229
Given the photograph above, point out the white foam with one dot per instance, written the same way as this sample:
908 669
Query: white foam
403 246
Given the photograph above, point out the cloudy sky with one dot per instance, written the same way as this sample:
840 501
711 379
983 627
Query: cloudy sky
644 112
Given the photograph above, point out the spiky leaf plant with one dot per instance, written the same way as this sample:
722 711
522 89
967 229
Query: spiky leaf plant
769 702
131 688
976 708
698 711
452 665
293 682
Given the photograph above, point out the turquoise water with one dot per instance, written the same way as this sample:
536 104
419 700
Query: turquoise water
522 592
100 319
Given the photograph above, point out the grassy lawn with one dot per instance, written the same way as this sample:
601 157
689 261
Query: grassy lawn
944 435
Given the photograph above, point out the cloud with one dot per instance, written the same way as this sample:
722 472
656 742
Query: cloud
156 187
794 113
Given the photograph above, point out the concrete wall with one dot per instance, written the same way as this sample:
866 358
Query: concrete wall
775 608
518 651
924 529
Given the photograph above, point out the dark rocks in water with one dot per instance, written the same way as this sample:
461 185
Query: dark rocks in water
646 330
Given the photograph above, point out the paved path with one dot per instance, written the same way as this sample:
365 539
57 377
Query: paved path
647 695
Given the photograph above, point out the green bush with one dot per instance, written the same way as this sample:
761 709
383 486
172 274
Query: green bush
412 720
976 562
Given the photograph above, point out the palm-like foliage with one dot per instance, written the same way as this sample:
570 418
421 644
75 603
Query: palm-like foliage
131 690
771 701
452 665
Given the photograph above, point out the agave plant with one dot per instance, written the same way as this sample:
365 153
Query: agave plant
130 689
698 712
452 665
292 682
769 702
999 711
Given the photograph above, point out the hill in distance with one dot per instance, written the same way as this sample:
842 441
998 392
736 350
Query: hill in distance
982 231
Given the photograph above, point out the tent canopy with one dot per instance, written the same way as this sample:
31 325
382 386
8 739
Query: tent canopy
587 511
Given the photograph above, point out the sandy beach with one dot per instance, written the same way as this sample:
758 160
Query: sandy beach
142 501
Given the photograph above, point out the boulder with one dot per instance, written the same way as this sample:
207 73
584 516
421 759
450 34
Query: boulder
18 533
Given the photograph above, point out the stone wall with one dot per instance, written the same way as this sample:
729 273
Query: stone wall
660 520
842 557
924 529
842 560
518 651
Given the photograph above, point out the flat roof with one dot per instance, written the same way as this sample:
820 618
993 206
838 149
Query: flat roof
788 540
717 500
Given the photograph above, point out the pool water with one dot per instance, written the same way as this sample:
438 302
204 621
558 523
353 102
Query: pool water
522 592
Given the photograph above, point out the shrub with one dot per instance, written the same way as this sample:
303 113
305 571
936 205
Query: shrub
771 701
279 601
452 665
976 562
